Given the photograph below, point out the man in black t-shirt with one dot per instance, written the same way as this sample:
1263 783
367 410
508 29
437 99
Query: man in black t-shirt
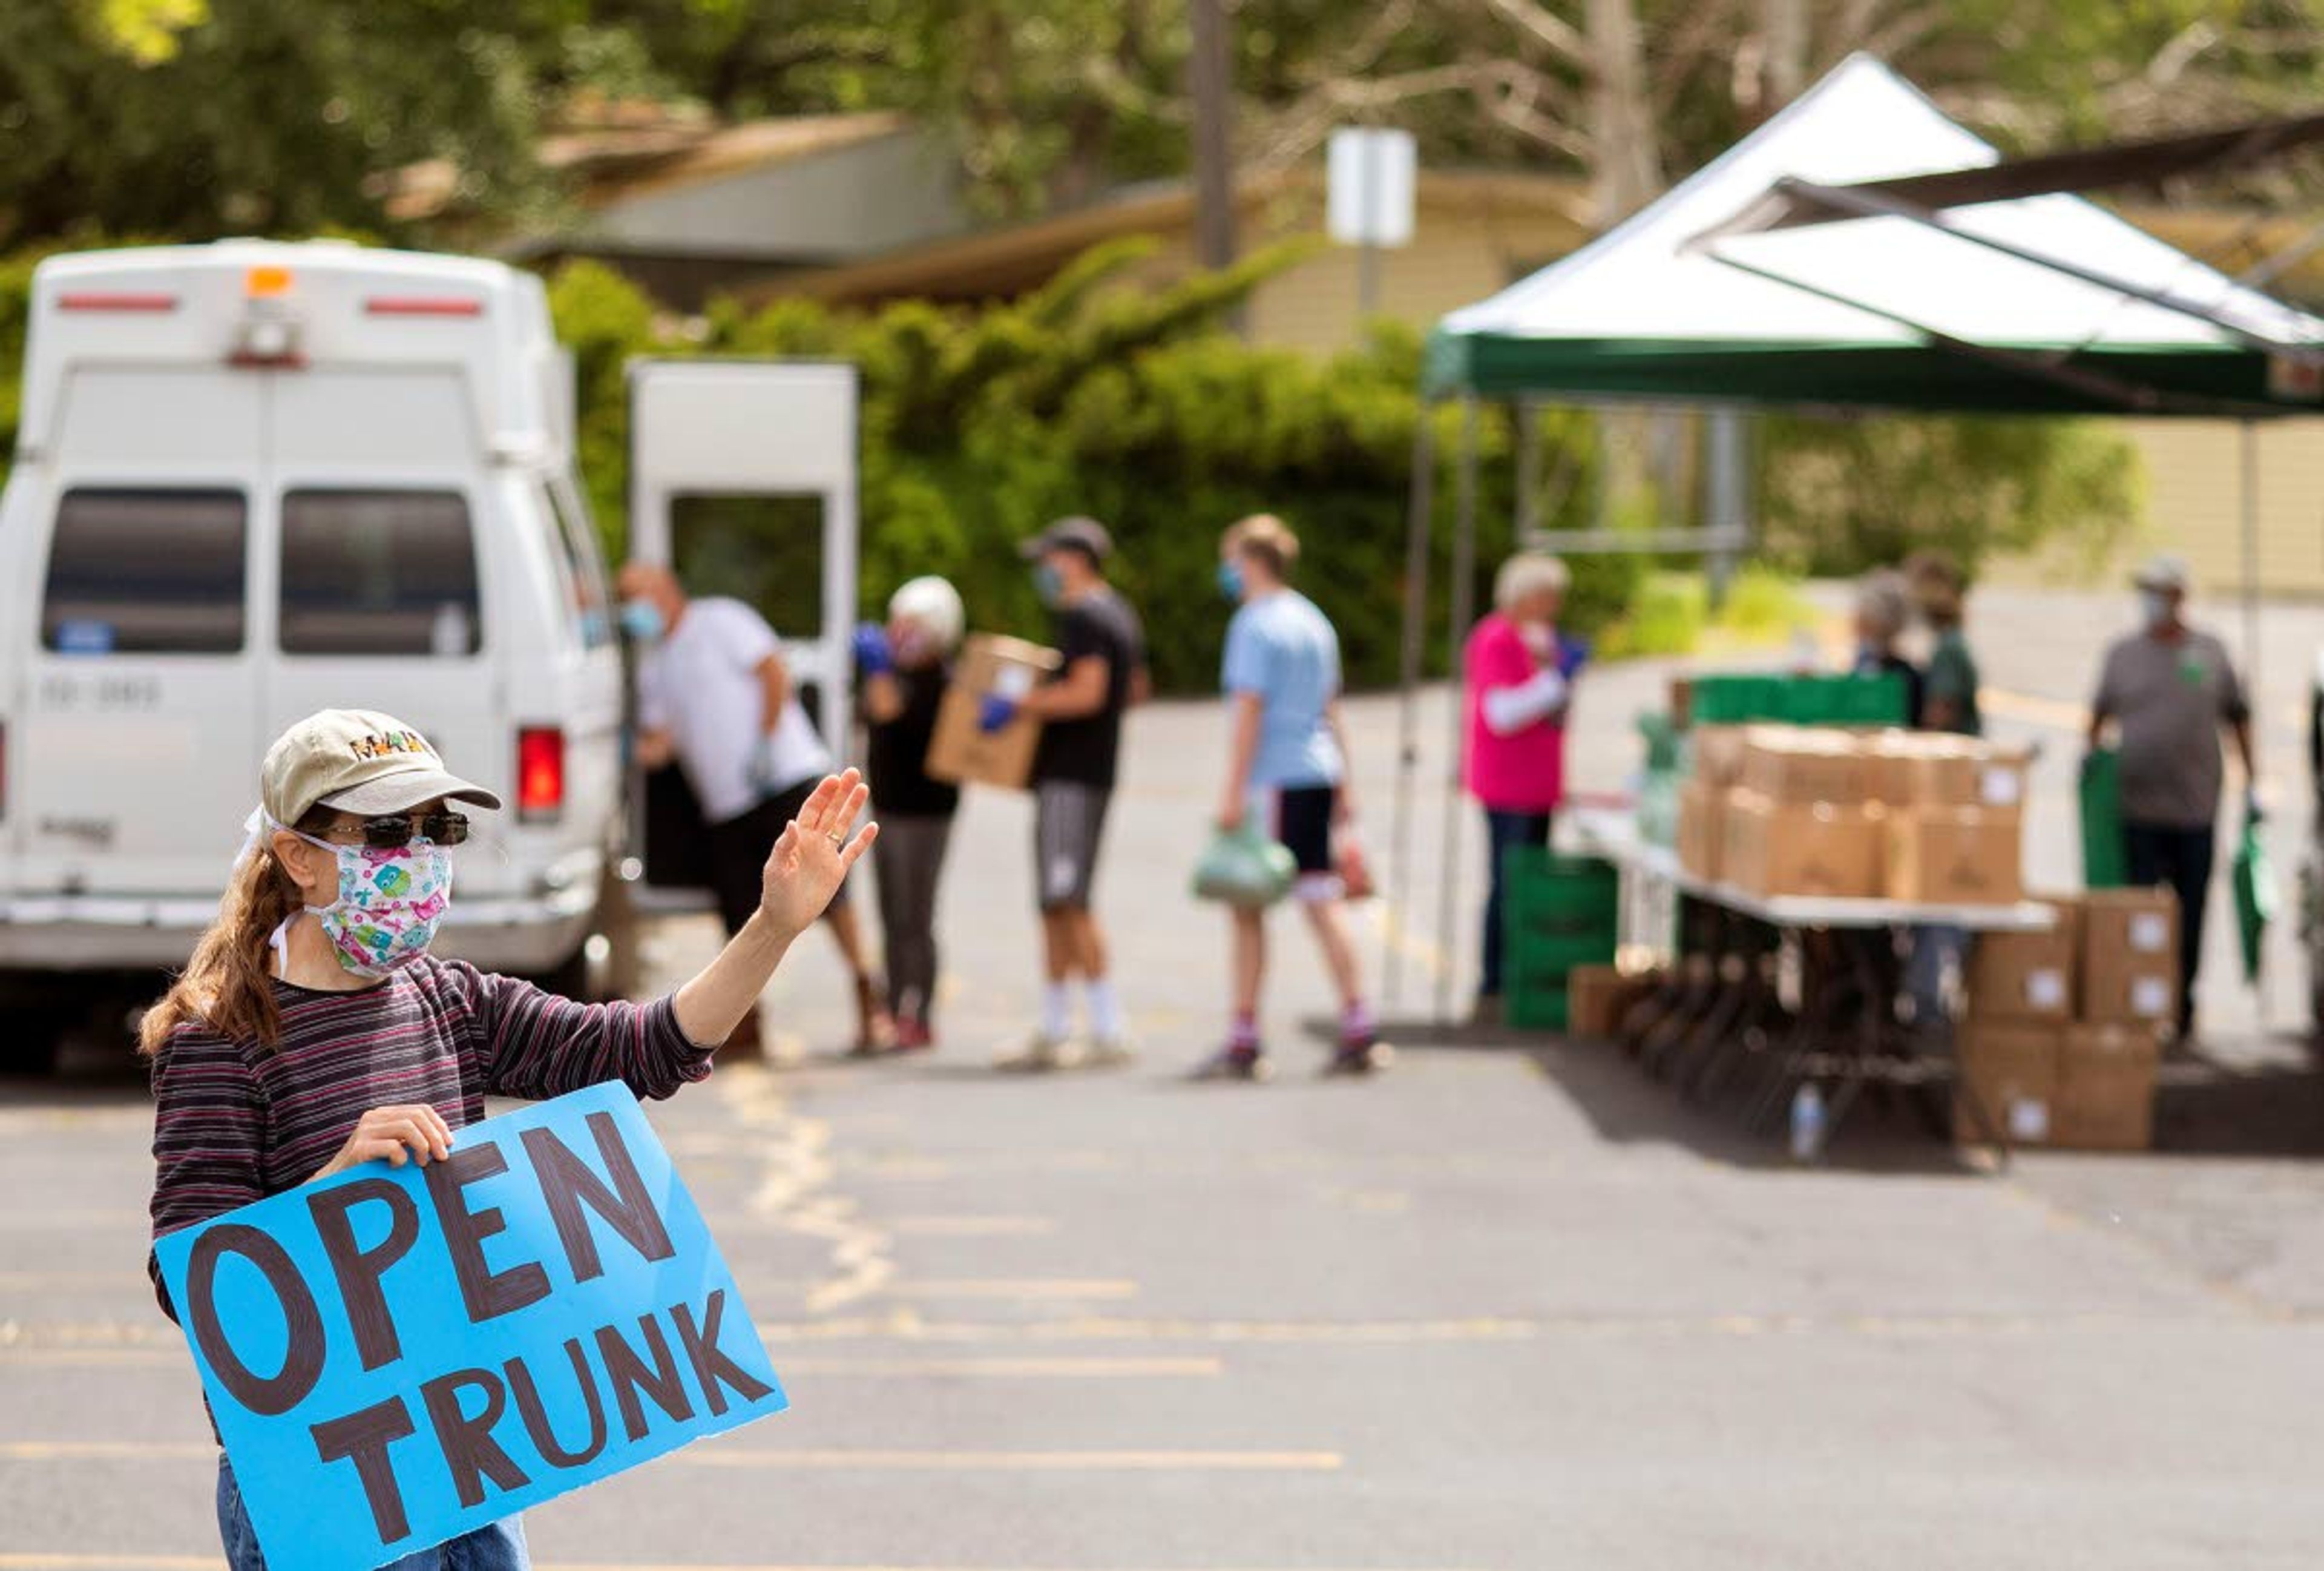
1103 674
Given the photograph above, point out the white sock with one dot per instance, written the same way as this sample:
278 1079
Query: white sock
1056 1012
1104 1011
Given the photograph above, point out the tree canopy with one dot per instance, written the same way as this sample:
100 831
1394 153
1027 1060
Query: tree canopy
200 118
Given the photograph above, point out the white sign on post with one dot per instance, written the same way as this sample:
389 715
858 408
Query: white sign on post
1371 176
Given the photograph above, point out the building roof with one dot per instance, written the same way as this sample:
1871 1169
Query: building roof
626 156
1021 256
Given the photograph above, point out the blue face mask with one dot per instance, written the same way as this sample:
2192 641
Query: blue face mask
641 619
1048 584
1231 582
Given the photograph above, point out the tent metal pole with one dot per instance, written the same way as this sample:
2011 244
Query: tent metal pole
1465 573
2250 501
1726 464
1421 505
1528 468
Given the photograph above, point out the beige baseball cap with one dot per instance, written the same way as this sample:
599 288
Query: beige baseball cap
357 761
2167 572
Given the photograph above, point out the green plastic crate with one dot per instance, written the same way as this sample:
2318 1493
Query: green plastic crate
1538 879
1535 1008
1734 698
1551 954
1845 700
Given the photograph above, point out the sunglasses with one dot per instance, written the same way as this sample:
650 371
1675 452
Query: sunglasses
395 832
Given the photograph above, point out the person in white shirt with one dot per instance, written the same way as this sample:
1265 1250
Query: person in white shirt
715 698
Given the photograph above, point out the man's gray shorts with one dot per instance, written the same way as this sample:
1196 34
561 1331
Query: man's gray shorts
1068 821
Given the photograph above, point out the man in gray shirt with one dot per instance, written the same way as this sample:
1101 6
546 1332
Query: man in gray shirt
2170 689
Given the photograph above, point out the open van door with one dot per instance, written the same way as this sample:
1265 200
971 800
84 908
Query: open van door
742 478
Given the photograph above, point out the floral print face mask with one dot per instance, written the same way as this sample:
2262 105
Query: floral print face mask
391 903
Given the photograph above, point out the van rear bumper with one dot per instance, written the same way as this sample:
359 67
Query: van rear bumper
117 932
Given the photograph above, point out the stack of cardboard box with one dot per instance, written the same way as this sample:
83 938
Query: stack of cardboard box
2065 1027
1801 810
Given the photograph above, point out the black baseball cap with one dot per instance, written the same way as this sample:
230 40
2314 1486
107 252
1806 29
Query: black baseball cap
1086 535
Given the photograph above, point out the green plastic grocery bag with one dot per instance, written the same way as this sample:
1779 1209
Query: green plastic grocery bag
2105 864
2255 879
1243 867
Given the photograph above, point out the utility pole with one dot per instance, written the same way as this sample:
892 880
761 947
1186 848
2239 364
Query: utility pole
1209 79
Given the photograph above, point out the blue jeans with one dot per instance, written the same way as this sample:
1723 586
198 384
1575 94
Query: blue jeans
1504 830
498 1547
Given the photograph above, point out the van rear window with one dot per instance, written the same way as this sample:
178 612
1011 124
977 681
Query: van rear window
379 572
145 572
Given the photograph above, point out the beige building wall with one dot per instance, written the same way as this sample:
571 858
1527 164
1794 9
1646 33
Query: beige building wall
2194 472
1472 236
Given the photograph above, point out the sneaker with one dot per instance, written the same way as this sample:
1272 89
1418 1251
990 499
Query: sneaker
1111 1053
1040 1054
913 1035
1359 1058
1231 1063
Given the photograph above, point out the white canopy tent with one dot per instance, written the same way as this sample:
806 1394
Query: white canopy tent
2044 304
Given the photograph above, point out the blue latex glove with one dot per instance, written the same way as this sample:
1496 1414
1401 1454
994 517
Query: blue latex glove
1573 655
994 713
873 658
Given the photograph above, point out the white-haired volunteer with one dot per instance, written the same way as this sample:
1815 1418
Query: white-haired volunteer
905 666
1520 671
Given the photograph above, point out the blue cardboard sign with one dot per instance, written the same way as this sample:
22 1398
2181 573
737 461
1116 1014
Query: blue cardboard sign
397 1356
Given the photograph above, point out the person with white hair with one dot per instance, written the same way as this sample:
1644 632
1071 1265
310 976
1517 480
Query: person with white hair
2168 689
1883 608
905 666
1520 671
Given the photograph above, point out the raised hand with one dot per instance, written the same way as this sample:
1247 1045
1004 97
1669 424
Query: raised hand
804 870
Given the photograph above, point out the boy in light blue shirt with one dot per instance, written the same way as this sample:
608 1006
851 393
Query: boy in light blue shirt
1288 771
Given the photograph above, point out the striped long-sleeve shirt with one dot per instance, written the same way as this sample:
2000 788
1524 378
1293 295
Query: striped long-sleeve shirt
234 1123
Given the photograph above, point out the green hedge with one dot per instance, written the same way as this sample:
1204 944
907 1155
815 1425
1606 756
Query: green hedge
1133 406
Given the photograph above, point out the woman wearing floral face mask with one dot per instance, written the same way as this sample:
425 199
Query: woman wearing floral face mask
312 1030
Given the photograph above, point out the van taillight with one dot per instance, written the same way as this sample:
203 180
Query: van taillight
539 773
412 305
100 300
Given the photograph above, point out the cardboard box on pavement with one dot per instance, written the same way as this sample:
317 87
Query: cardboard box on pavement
1593 1001
2028 976
2106 1088
2130 956
1795 848
1955 856
2010 1071
960 750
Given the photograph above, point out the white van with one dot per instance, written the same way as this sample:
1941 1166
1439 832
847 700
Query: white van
254 480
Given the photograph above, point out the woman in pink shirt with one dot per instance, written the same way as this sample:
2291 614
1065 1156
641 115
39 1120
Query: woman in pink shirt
1519 672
